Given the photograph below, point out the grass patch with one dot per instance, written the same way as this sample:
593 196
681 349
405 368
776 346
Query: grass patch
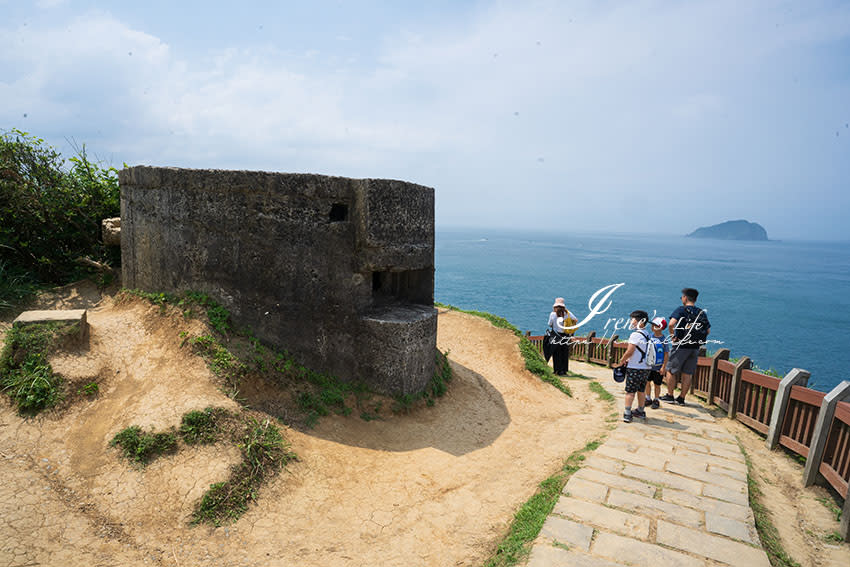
202 427
768 533
90 389
25 373
833 537
142 447
600 391
830 505
272 380
529 519
534 362
264 453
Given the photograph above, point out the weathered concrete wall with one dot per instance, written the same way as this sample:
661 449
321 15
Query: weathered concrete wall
338 271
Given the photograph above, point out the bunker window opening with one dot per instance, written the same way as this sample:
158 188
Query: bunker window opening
407 286
339 212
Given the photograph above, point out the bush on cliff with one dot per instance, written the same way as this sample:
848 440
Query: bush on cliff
51 211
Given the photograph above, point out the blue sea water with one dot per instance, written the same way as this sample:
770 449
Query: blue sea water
783 304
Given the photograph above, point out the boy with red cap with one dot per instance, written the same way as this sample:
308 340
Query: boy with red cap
662 353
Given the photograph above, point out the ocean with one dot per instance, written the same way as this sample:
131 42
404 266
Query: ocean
784 304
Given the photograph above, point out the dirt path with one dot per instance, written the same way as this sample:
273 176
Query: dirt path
436 487
803 521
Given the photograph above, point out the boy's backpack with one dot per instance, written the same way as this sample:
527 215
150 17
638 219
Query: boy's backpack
655 353
694 325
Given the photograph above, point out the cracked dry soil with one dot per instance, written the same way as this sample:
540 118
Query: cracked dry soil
438 486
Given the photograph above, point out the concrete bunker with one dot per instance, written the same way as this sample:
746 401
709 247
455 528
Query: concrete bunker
338 271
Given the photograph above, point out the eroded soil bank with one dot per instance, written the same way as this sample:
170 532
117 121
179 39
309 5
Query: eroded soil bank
438 486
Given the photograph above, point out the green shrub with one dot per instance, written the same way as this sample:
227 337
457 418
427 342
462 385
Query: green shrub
202 427
15 286
264 453
25 374
142 447
51 213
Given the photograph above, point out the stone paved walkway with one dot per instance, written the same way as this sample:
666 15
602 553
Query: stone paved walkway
670 490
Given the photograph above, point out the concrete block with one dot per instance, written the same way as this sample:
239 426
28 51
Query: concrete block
604 518
708 505
615 481
663 478
598 462
719 460
720 435
734 494
713 442
545 555
69 316
740 476
736 529
731 454
643 459
655 508
568 532
696 471
660 448
633 552
586 490
710 546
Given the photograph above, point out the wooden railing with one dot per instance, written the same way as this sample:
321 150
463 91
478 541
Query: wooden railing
799 423
578 348
810 423
618 349
536 341
701 376
598 350
835 466
755 403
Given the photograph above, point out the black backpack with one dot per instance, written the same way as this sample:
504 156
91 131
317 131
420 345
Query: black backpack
694 326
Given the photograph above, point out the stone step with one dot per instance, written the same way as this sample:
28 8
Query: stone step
70 316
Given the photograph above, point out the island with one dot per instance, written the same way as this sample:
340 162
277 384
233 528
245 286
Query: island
731 230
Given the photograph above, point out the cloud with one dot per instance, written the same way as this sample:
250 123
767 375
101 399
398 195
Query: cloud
47 4
505 112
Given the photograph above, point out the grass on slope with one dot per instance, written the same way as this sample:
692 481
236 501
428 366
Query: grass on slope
768 534
529 519
534 363
26 376
282 386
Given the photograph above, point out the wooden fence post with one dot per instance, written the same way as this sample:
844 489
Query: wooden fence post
722 354
735 390
590 336
701 352
611 350
796 377
822 427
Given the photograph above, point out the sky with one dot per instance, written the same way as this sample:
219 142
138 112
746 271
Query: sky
602 116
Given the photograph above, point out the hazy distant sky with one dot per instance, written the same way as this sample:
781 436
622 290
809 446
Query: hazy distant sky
638 116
